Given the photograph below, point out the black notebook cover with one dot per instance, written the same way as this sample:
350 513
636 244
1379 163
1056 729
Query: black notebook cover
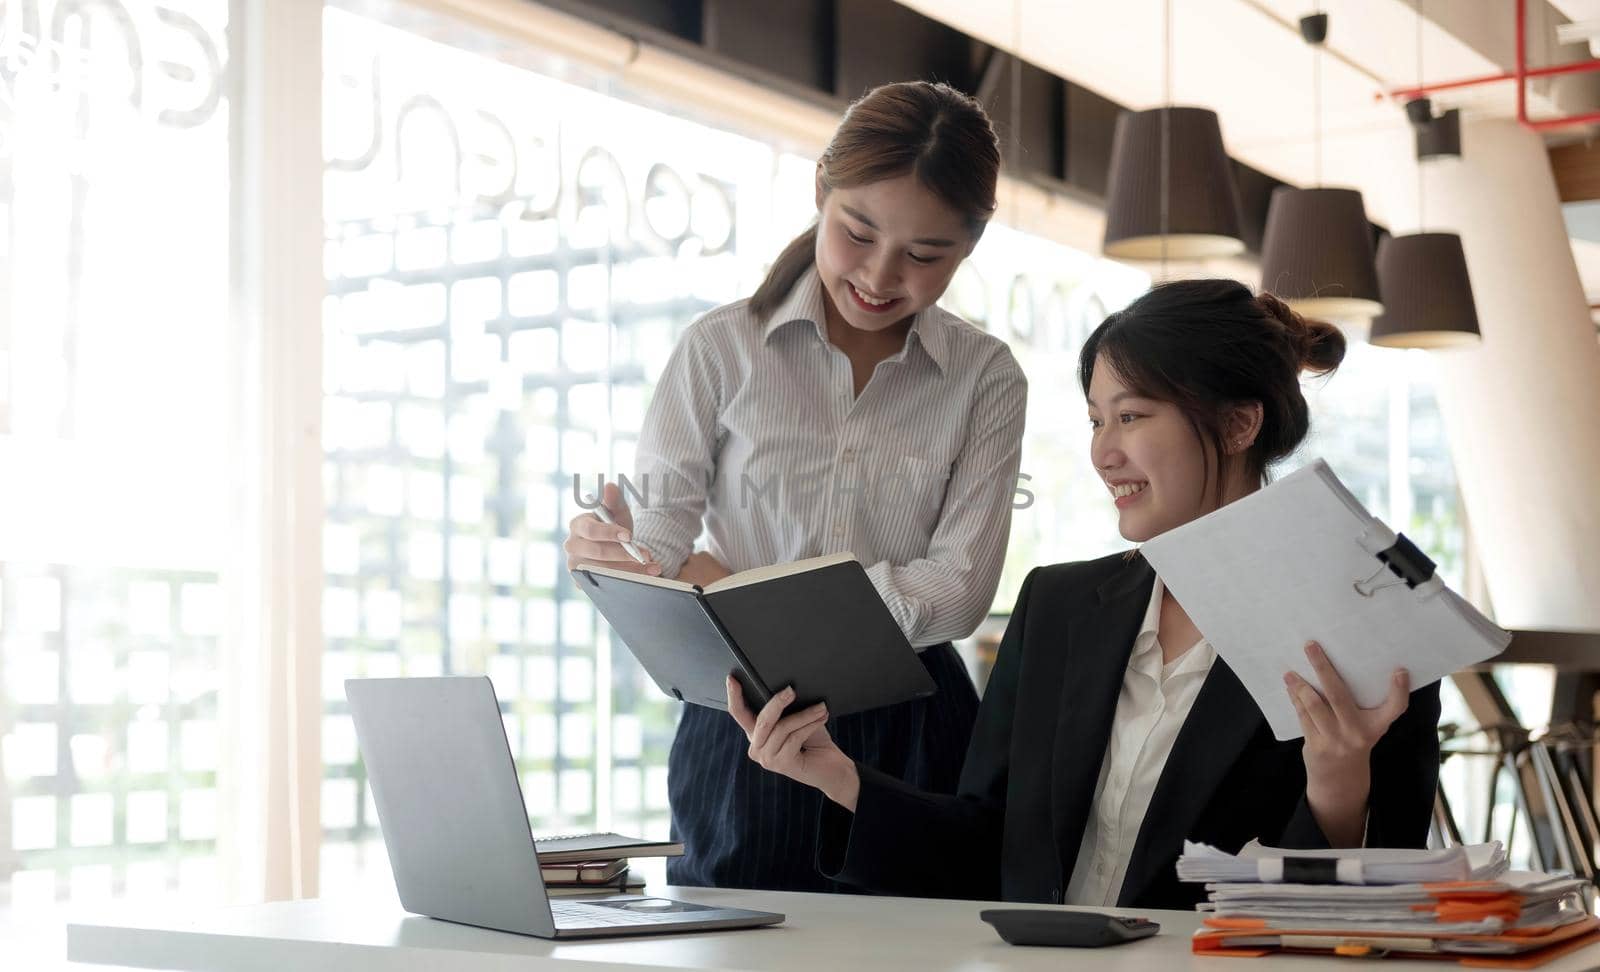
825 631
672 635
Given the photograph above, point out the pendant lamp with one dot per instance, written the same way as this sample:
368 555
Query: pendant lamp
1427 294
1316 253
1171 192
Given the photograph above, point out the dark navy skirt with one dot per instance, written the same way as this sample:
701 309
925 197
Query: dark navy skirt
745 827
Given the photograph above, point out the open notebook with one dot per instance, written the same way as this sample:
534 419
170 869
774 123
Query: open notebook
818 625
1302 560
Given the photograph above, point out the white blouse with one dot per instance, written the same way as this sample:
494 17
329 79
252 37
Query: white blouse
755 432
1151 709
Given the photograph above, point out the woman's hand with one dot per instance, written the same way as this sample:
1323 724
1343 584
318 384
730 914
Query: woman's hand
1338 744
797 746
702 568
591 540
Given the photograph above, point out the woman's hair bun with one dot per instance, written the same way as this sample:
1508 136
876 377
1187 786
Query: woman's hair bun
1318 345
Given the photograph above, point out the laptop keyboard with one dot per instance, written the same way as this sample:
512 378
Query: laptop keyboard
574 915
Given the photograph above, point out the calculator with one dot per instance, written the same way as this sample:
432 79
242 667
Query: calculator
1072 929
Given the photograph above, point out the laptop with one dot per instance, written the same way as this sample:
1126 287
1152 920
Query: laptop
451 811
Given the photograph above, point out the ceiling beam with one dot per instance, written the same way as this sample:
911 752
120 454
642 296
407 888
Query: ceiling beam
828 52
1577 171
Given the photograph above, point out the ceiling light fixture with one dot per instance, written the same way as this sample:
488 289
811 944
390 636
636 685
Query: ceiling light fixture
1155 211
1316 253
1427 294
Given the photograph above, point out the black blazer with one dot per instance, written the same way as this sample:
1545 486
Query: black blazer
1013 828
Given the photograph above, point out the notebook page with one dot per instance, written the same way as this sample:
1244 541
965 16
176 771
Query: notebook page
1266 574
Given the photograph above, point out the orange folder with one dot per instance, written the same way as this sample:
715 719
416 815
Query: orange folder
1530 947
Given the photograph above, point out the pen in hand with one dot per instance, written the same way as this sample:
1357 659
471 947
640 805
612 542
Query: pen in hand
605 517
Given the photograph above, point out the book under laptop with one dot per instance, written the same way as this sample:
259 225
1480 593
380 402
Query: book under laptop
817 625
453 821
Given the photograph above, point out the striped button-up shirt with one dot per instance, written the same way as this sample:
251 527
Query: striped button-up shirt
756 432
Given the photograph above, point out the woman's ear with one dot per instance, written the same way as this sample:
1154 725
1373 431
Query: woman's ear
1241 425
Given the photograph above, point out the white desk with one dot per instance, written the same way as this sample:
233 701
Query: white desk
824 933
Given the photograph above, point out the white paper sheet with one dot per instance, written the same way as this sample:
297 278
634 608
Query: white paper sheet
1268 573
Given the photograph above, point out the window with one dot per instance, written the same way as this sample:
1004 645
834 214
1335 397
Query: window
114 204
511 257
1044 299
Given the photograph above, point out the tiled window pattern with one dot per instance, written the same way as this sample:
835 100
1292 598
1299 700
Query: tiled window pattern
110 729
490 335
114 257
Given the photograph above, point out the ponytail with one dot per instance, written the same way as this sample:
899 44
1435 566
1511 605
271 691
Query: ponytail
1319 345
791 265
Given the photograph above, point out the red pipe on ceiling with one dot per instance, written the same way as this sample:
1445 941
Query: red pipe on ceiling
1522 61
1576 67
1521 76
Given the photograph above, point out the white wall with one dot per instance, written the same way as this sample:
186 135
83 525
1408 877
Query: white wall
1523 410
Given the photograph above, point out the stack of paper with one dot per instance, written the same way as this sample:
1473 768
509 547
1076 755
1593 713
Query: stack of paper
1456 903
1481 862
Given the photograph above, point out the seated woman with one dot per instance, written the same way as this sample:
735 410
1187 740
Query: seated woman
1110 731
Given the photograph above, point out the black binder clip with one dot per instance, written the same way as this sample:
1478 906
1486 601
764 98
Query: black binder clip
1310 870
1404 560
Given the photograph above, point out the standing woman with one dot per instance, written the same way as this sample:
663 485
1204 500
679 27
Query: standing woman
837 409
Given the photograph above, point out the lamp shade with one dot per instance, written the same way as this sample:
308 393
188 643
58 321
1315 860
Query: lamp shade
1427 296
1316 253
1202 218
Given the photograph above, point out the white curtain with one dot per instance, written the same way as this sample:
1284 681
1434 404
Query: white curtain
271 766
